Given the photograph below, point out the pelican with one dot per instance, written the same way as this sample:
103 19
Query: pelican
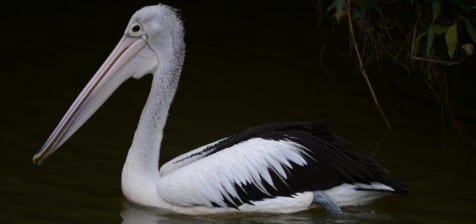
274 168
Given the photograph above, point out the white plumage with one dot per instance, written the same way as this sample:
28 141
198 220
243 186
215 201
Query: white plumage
214 176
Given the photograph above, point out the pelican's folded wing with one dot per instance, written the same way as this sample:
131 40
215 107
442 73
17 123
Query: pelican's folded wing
187 158
276 162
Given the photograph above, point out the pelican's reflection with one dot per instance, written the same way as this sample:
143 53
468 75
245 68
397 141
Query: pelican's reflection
134 214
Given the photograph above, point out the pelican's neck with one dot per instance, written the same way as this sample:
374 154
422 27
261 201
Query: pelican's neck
145 149
140 174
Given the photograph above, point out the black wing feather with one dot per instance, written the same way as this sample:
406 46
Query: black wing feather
330 162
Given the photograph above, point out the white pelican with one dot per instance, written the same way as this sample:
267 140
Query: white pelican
278 168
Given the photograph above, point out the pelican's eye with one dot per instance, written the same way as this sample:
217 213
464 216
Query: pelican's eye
135 30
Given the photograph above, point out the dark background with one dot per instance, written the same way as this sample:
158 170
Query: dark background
248 63
32 31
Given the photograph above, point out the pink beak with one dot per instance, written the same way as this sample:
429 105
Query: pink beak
132 57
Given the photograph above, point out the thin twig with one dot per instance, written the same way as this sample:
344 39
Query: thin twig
362 69
442 98
323 49
415 27
454 121
447 63
380 142
412 50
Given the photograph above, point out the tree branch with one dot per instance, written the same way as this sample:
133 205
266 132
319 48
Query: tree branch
361 68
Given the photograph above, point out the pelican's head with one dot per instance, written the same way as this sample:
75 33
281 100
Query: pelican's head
150 38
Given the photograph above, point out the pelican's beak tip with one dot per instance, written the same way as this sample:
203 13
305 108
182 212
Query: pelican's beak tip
36 160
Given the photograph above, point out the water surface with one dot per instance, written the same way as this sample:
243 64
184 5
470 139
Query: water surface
243 69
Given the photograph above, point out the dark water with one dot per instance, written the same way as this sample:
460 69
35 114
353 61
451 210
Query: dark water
260 67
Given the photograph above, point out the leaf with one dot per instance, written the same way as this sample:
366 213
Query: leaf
439 29
333 5
429 39
470 29
436 8
451 37
417 42
339 5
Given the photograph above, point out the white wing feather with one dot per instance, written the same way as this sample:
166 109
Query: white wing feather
212 179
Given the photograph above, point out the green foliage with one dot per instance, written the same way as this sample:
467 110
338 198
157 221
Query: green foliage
449 28
436 8
418 35
338 5
470 29
451 37
418 41
430 39
442 26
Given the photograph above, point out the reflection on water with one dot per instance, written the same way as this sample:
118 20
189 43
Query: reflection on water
132 214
